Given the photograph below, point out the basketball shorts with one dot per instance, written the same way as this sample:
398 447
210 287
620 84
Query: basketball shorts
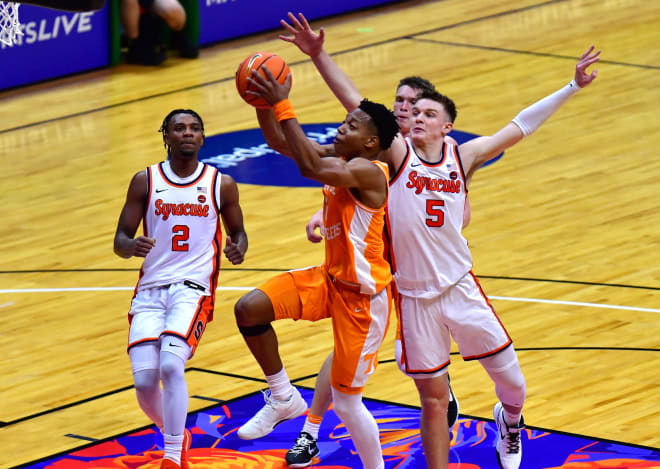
428 324
359 321
175 309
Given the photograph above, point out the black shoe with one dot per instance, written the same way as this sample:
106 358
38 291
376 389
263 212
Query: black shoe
185 46
303 452
452 409
149 47
144 55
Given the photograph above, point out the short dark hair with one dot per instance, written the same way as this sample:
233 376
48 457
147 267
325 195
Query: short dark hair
417 83
446 102
166 121
383 120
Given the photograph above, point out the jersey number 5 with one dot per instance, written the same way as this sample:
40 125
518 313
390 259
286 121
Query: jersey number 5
180 234
436 217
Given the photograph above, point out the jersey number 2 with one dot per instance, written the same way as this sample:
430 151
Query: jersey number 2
180 234
436 217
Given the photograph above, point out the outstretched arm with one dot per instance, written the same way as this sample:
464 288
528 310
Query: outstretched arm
311 44
479 150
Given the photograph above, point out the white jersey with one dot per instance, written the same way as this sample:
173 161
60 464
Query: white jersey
183 216
425 217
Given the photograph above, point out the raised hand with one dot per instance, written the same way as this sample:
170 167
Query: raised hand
582 78
302 35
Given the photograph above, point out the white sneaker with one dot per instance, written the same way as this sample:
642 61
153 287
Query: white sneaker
273 413
508 446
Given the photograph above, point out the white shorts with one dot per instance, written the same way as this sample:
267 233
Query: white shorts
427 325
176 309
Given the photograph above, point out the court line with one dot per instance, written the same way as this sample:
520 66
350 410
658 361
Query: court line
493 297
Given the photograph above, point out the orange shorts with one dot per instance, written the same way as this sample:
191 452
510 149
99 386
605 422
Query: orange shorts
359 321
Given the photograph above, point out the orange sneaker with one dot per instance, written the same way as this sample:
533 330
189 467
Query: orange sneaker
187 439
169 464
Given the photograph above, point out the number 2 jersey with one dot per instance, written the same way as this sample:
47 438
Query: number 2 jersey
425 217
183 216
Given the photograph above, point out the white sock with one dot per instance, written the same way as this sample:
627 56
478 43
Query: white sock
173 447
280 386
312 428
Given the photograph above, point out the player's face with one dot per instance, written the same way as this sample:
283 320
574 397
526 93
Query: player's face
354 134
403 104
184 135
429 121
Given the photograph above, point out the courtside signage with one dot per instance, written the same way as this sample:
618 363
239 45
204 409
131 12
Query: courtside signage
225 19
246 157
55 43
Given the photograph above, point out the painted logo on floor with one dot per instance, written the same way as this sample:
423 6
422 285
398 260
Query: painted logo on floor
216 445
246 157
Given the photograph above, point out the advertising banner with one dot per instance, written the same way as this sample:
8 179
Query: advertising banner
226 19
55 43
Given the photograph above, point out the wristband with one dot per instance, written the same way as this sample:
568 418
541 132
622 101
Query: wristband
283 110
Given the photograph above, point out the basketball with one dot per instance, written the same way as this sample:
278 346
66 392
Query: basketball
256 62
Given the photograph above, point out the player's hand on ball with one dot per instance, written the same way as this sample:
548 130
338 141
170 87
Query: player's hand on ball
268 88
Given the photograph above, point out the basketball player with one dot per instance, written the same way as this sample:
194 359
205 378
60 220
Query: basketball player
180 202
351 287
302 453
426 203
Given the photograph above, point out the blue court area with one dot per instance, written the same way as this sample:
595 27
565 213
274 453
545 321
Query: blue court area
216 445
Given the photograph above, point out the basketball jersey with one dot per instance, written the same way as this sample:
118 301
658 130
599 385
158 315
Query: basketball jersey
354 248
183 216
425 217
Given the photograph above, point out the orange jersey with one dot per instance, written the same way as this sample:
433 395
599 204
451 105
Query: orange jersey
354 248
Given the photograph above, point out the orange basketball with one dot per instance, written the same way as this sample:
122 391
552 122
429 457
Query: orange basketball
256 62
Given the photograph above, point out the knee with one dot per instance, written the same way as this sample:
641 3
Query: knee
248 311
146 381
172 12
433 395
171 367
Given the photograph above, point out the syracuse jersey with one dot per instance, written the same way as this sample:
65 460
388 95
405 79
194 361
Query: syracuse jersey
354 248
425 216
183 216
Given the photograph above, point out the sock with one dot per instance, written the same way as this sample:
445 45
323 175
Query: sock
173 447
511 419
280 385
312 424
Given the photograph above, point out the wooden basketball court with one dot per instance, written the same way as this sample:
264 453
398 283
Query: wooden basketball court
564 232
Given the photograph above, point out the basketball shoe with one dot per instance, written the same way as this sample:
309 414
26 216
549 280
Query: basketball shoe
169 464
508 446
303 452
271 414
452 408
187 439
